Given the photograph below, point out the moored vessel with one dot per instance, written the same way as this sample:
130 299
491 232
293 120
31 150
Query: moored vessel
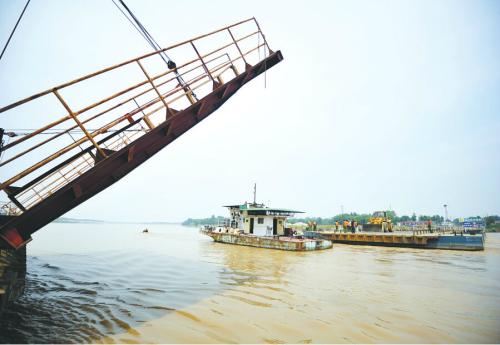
256 225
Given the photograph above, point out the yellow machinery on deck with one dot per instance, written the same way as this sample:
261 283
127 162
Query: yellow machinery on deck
379 222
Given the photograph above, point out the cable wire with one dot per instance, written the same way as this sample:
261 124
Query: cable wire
152 42
13 30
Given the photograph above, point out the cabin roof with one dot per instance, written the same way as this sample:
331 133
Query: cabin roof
261 207
274 209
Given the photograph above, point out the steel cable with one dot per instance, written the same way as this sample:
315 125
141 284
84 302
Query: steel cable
13 30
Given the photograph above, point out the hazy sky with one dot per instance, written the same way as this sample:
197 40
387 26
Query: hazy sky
377 104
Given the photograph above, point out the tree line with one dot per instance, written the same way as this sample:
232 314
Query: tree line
363 218
213 220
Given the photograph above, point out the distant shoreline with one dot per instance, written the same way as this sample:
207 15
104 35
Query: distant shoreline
64 220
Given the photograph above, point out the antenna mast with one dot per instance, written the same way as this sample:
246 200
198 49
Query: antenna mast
255 193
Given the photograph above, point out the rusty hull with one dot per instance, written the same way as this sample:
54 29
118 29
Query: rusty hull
281 243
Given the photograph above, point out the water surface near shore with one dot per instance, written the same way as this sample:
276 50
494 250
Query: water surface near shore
112 283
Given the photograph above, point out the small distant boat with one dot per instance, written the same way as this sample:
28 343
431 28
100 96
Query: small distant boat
145 231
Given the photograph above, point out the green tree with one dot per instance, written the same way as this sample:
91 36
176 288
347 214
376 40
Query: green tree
490 220
404 218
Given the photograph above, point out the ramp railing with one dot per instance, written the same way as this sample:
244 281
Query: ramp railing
107 110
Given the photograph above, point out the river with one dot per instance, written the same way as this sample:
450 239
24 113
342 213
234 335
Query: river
107 283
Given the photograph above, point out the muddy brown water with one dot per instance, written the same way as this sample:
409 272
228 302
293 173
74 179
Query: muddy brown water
112 283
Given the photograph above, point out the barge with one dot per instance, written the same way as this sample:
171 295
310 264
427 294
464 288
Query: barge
271 242
453 241
256 225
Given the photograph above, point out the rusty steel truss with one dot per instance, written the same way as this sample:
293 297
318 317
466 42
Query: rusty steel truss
67 160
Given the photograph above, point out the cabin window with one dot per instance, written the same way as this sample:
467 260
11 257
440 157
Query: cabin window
260 220
281 222
246 220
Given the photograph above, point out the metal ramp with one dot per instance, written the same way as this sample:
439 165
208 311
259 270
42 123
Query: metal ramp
102 135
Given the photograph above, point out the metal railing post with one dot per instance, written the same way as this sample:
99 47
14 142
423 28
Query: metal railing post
264 37
87 134
202 62
148 122
237 46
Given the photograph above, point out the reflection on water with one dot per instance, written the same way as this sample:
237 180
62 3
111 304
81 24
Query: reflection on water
112 283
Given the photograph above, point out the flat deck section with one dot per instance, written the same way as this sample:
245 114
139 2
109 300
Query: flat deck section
404 239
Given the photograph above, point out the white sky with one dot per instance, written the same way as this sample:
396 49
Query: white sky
377 104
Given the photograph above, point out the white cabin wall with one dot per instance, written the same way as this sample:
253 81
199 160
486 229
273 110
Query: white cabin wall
261 229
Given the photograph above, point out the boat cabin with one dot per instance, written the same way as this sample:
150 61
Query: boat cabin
258 219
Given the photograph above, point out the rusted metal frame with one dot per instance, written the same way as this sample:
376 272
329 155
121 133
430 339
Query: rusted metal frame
175 115
52 207
139 107
66 177
239 57
63 151
97 115
69 147
109 145
180 89
141 84
61 86
135 136
81 111
162 75
223 47
69 129
124 138
217 31
120 139
198 79
201 57
152 84
263 36
33 200
72 158
47 190
139 94
193 80
32 134
190 82
182 95
82 127
64 132
202 62
36 194
41 163
61 183
237 46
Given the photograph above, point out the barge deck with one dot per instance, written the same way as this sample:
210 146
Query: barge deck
451 241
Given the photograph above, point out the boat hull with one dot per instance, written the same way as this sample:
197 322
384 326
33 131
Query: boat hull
280 243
